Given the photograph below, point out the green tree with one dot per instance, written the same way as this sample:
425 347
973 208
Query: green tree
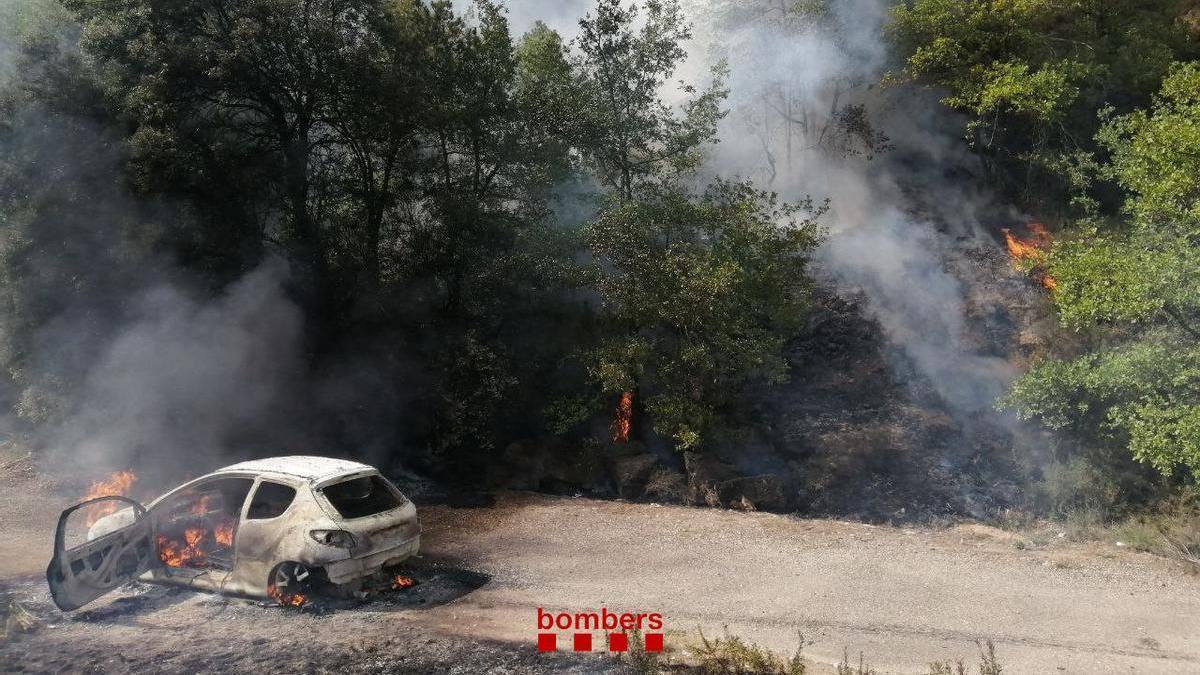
474 245
1135 289
627 132
237 104
1031 74
700 294
71 240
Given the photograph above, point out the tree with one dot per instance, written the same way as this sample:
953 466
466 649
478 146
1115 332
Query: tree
625 130
791 107
477 259
701 295
237 103
1031 75
72 242
1136 289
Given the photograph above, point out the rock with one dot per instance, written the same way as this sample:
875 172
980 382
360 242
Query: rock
668 485
630 466
551 465
706 468
766 492
568 466
705 473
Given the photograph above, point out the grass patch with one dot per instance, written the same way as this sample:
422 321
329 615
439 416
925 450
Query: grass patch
989 664
734 655
844 667
640 661
1175 536
1170 530
731 654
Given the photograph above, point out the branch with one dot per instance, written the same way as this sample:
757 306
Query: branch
1181 320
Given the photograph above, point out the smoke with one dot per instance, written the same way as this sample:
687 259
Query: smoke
168 377
113 355
808 118
560 15
186 380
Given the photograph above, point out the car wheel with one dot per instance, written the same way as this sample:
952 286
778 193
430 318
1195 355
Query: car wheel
291 583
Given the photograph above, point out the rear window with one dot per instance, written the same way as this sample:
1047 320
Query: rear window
363 496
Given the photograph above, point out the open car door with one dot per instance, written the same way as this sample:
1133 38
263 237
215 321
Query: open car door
103 560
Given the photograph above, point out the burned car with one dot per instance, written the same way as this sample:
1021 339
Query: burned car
275 528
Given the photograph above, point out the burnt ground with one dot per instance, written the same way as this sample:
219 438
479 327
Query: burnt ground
902 596
858 432
147 628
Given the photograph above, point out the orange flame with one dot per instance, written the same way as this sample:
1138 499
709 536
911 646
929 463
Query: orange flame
624 419
224 534
117 484
286 599
1031 250
197 545
400 582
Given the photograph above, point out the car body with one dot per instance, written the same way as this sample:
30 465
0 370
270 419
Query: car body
264 528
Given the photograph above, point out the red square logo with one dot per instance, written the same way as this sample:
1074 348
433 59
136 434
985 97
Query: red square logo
547 642
618 642
654 642
583 642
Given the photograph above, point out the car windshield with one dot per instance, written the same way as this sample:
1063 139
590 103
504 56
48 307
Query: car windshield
363 496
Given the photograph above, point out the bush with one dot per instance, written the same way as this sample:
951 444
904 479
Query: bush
733 655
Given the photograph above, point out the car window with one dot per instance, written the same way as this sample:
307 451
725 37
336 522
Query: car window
365 496
217 497
196 527
270 500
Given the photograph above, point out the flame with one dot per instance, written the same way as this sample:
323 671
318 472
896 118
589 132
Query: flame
117 484
624 419
1031 251
400 582
196 546
286 599
224 534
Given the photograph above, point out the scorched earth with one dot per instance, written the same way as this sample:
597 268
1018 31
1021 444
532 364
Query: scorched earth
903 597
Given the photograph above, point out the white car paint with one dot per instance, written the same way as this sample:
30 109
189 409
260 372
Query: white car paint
260 546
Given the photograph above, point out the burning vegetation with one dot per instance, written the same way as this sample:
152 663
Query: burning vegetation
1030 252
623 421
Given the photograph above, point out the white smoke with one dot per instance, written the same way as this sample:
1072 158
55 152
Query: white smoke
789 77
184 380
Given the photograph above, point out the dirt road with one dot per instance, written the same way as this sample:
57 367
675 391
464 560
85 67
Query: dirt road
902 597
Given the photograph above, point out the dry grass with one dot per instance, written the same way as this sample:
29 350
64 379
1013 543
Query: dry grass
1175 536
844 667
16 619
988 663
733 655
640 661
1170 530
